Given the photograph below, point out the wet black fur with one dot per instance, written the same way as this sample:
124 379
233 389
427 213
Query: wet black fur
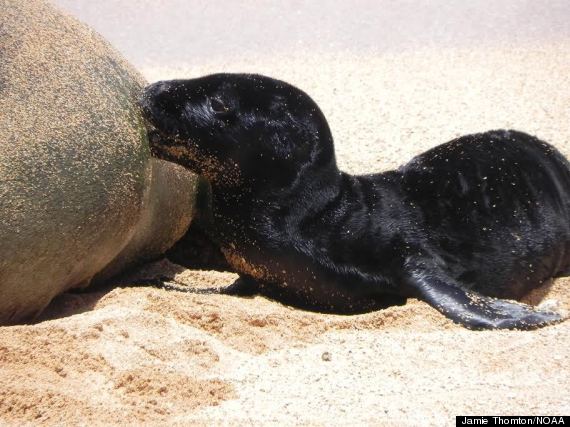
485 215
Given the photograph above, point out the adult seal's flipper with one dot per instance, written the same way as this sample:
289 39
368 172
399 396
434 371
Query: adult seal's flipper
473 310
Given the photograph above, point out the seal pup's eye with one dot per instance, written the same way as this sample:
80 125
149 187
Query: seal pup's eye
218 106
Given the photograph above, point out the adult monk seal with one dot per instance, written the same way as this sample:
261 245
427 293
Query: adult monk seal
462 226
81 199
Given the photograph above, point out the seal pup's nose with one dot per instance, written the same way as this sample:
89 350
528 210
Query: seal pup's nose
153 98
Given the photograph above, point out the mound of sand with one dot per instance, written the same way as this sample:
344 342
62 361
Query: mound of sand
137 354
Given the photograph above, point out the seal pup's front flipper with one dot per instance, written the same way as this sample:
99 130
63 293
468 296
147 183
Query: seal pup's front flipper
473 310
243 286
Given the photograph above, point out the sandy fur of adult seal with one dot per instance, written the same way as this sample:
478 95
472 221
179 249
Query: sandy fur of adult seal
80 197
464 226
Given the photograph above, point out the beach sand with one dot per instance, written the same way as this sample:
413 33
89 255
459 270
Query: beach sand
138 354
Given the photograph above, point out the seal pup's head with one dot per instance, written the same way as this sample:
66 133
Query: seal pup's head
238 128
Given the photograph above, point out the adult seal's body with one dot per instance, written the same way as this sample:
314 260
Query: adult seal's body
81 199
462 226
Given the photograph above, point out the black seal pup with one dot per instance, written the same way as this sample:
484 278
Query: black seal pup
463 226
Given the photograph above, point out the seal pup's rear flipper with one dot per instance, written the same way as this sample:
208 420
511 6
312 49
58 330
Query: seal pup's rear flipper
473 310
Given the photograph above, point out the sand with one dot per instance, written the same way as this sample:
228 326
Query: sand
141 355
